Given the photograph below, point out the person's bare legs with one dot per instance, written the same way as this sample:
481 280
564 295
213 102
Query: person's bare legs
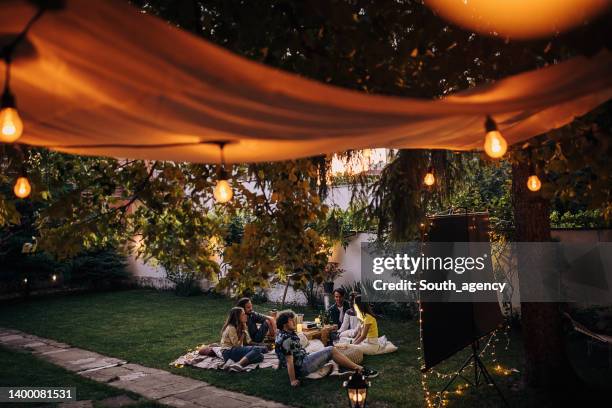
344 361
244 361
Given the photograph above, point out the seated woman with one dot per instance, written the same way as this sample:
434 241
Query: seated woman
367 339
235 342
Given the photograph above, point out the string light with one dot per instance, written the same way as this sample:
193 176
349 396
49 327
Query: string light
11 126
440 398
429 178
22 187
495 145
533 183
223 190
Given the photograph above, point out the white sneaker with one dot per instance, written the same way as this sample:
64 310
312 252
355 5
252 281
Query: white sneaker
235 367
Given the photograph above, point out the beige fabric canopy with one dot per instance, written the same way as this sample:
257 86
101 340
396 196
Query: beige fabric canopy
105 79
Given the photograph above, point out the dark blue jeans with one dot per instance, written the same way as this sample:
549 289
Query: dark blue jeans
253 353
259 335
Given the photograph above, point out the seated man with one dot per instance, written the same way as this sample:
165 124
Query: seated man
266 324
351 326
298 361
337 311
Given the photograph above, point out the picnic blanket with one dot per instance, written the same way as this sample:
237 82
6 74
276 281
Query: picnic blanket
270 360
194 359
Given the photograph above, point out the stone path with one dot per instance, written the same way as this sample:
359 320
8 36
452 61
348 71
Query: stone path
153 384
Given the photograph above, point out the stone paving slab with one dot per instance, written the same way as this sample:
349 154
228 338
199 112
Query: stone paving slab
143 369
75 359
152 383
179 403
157 386
14 340
43 348
107 374
210 397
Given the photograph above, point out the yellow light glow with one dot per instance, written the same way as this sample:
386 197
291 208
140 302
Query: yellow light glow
22 187
533 183
518 18
495 145
429 179
299 327
223 191
11 126
357 396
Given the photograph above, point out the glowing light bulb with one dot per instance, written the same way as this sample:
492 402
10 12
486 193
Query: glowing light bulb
22 187
11 126
54 278
223 191
429 179
495 145
534 183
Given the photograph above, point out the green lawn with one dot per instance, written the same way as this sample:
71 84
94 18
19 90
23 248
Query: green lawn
153 328
22 370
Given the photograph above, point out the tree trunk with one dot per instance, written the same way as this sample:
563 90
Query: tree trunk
546 361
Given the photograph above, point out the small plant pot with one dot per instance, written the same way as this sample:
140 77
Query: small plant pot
328 287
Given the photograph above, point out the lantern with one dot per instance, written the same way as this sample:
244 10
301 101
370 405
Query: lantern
357 390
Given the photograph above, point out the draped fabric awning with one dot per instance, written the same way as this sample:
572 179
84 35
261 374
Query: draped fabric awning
105 79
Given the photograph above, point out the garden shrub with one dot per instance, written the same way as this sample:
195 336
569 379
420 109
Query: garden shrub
98 269
16 267
185 281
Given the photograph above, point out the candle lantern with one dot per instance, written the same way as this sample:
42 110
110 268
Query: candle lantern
357 390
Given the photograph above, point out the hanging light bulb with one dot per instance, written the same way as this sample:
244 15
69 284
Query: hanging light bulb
223 190
495 145
22 187
533 183
429 178
11 126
